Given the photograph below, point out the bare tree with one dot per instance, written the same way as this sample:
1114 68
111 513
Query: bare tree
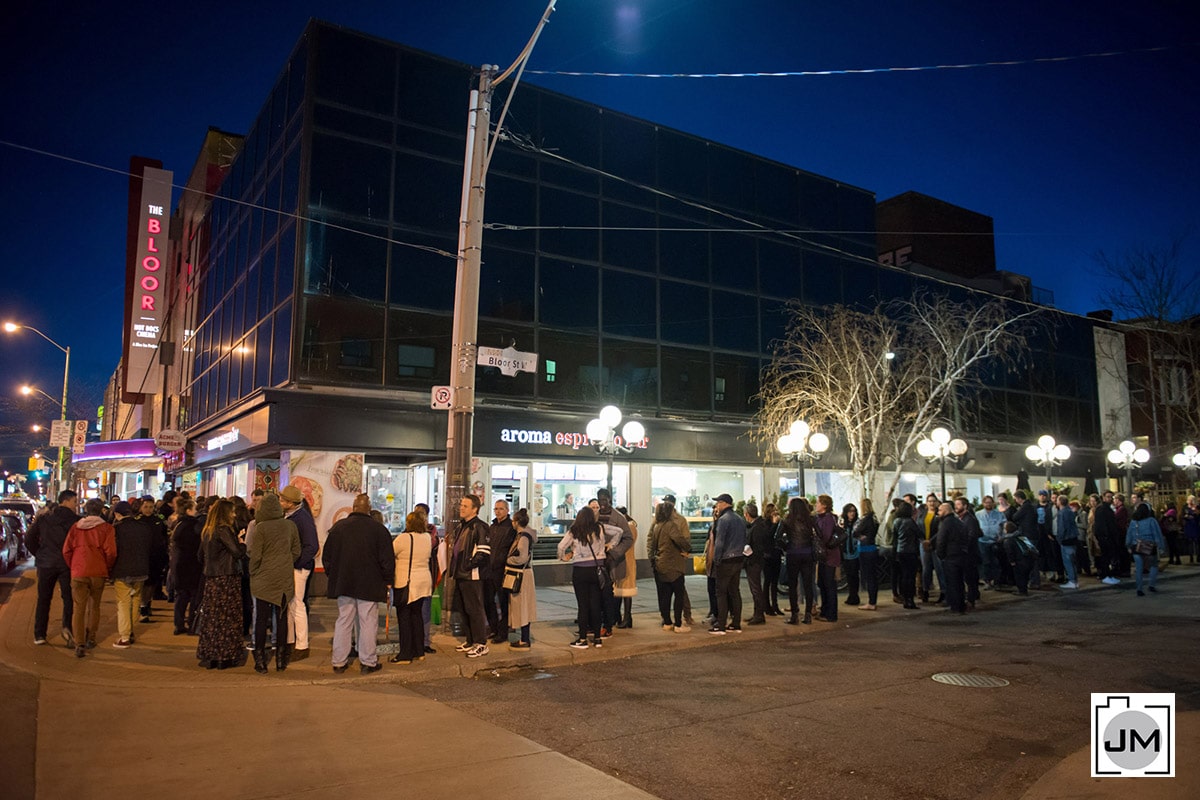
833 368
1155 294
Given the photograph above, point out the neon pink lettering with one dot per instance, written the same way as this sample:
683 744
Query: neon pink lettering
147 302
154 227
150 248
150 283
150 264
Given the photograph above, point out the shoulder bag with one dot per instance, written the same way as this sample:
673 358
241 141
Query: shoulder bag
603 576
819 546
513 576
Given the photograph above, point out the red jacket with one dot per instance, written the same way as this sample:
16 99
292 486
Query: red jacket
90 549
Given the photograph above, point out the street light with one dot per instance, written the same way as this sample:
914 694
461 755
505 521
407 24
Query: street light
1188 460
1046 453
939 446
602 432
1128 456
13 327
798 445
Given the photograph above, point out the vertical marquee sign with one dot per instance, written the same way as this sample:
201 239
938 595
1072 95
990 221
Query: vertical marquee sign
147 275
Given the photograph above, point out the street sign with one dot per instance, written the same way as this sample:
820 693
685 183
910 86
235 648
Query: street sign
509 360
60 433
440 398
170 440
80 438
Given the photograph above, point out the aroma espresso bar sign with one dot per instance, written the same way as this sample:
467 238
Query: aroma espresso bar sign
571 439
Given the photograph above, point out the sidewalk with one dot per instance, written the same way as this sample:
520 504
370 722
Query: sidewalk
159 656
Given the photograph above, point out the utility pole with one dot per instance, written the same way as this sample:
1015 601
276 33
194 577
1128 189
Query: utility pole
466 298
466 289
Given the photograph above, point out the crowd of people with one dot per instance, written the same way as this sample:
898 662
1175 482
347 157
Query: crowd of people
238 573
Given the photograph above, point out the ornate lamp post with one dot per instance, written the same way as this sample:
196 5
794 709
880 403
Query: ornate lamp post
1128 456
799 445
1188 460
939 446
1047 453
602 432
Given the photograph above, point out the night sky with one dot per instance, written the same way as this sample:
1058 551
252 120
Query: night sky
1068 157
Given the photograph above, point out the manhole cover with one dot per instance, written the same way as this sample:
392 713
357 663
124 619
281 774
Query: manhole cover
974 681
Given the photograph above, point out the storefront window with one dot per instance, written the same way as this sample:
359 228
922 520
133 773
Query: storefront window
560 489
388 487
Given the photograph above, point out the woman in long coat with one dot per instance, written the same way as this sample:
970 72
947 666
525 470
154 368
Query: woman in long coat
626 586
274 549
522 606
220 644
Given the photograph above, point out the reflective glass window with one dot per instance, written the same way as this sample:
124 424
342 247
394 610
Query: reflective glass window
631 374
351 263
570 367
629 305
349 177
684 313
735 321
686 379
355 71
567 294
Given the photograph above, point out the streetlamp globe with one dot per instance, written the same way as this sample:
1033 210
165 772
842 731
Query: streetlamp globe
818 443
957 447
926 448
799 430
597 431
1033 452
633 432
786 444
940 436
1046 442
1061 452
610 416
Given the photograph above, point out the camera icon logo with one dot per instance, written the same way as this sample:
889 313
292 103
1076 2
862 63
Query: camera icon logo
1133 735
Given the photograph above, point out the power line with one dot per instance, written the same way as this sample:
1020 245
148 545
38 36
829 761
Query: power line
861 71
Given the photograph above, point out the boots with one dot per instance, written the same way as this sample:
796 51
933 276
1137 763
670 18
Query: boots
283 654
794 619
260 660
807 619
627 620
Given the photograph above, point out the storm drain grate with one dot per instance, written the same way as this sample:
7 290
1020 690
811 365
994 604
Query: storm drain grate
974 681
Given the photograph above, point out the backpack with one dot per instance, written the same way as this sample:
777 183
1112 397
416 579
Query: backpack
783 538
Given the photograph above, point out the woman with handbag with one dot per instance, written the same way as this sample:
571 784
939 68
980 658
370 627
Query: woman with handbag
583 546
518 580
799 533
221 645
772 563
411 584
668 546
1144 540
830 534
908 537
865 529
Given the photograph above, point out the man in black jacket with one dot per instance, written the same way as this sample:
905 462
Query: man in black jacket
759 540
132 568
152 588
295 508
469 555
953 548
359 566
45 541
495 596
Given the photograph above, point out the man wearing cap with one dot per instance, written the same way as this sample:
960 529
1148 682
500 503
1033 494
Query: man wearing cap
296 509
729 545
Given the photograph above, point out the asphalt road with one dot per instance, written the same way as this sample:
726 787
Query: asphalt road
855 713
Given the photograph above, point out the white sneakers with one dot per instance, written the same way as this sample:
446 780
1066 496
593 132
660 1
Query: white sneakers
1111 581
1068 585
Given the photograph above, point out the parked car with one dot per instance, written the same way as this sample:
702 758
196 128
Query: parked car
10 542
25 505
22 525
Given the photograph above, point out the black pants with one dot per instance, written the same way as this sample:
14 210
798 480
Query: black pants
410 627
667 590
264 613
187 600
954 568
729 592
47 577
1022 564
1105 566
754 577
495 604
909 564
588 600
771 570
851 569
868 565
827 579
971 577
800 568
468 598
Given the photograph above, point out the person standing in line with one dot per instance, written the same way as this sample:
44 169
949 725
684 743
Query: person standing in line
1121 515
729 545
359 564
991 526
799 529
625 586
90 550
1191 528
152 588
607 516
295 508
1067 531
908 552
974 558
1108 539
186 573
435 575
759 539
850 553
866 531
1144 542
411 584
45 541
522 605
583 545
681 523
825 525
953 547
274 549
667 546
131 570
772 562
469 555
1169 523
495 598
221 644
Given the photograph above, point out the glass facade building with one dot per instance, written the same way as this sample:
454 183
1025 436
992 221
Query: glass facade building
646 267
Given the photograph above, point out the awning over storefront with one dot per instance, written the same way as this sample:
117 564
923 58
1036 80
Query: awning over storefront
122 455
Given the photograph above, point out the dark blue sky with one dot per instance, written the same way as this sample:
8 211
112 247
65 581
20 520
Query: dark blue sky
1068 157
